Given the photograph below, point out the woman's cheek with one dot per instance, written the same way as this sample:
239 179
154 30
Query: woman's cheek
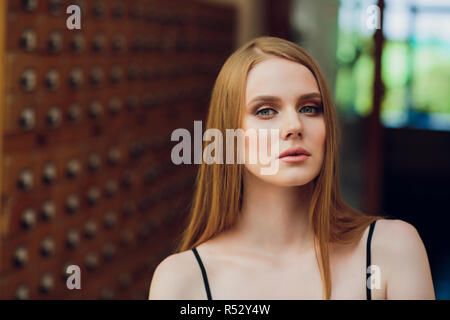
258 143
320 140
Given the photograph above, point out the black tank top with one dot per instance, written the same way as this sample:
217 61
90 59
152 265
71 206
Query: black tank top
368 249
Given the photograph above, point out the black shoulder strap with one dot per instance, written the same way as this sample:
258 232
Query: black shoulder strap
369 240
205 278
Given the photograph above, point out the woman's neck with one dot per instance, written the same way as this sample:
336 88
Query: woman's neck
274 219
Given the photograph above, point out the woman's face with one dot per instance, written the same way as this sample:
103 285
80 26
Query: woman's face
284 95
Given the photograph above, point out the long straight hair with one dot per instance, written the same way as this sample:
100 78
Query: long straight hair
219 187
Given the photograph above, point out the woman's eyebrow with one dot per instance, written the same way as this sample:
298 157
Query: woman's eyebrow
306 96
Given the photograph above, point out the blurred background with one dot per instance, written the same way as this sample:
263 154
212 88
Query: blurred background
87 116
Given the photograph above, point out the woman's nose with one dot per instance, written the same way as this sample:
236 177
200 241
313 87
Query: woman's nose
292 126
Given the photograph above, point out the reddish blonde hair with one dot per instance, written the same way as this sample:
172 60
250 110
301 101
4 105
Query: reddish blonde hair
219 187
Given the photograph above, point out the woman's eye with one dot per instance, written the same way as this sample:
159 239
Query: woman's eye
310 109
265 112
269 111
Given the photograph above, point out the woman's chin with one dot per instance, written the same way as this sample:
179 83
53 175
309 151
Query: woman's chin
288 180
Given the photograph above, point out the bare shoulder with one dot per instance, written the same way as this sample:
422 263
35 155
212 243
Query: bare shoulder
177 277
400 252
395 229
392 239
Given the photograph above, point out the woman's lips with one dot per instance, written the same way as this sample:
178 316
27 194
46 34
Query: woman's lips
298 158
295 151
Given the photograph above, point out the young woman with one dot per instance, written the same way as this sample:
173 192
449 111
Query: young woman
287 235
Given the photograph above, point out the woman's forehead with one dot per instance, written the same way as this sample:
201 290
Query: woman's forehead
279 77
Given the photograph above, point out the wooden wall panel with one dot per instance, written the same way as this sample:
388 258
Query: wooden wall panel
86 117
